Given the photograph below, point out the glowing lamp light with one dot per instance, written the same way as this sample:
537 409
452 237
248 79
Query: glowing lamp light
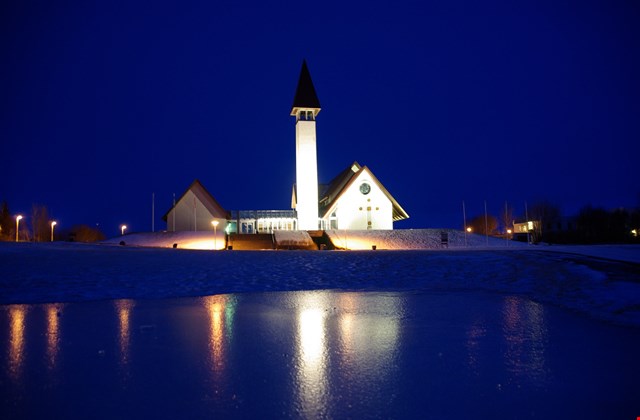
18 218
52 225
122 229
214 223
509 231
469 229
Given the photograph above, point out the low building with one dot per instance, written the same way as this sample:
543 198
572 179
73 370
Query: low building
195 210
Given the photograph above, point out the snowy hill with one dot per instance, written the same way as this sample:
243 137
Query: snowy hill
352 239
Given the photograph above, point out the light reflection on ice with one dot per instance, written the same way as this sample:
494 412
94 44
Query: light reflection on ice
123 308
525 333
475 334
53 333
369 343
17 314
215 309
311 367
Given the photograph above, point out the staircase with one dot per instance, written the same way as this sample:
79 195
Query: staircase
321 239
251 241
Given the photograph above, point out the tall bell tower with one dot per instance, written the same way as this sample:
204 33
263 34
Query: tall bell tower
306 107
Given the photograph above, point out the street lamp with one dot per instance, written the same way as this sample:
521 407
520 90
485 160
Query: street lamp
469 229
52 225
122 228
215 233
18 218
508 235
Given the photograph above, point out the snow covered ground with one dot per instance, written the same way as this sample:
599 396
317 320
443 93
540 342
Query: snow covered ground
107 331
77 272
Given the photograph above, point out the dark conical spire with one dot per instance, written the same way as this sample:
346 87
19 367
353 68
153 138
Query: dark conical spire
305 92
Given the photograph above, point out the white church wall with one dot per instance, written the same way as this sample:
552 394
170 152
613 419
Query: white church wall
355 209
306 175
186 219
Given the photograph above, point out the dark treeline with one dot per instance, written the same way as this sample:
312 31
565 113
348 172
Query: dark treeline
592 225
36 227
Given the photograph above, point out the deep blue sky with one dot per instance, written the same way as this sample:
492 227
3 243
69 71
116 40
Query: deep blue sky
103 103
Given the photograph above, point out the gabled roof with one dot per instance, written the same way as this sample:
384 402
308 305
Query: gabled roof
204 197
306 96
336 186
344 180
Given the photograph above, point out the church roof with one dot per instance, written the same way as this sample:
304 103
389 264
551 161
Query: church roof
205 197
306 96
344 180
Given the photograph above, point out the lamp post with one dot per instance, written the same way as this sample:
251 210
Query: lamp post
469 229
18 218
52 225
122 228
215 234
508 235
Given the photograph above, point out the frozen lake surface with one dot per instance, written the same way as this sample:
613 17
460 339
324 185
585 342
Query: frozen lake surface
107 332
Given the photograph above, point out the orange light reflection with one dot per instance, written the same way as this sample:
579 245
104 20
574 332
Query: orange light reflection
123 308
17 314
53 333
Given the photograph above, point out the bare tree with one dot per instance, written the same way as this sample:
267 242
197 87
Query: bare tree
477 224
544 214
84 233
7 225
40 223
507 217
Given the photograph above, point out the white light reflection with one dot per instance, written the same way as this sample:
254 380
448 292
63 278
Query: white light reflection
475 335
525 333
54 311
369 335
123 308
17 314
311 364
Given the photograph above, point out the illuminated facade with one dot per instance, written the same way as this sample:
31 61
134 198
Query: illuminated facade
195 210
353 200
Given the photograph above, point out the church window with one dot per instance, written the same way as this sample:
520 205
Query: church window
306 115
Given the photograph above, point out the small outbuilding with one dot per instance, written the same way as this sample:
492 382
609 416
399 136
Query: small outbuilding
195 210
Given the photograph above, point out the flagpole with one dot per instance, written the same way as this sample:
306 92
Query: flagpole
464 219
526 216
153 202
486 227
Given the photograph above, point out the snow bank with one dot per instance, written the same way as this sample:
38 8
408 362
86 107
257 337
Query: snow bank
628 253
413 239
293 238
183 240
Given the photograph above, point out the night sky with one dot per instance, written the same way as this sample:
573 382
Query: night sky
104 103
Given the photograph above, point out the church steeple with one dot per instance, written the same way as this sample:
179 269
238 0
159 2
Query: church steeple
305 108
306 98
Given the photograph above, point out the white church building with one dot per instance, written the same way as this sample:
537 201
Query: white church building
354 200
